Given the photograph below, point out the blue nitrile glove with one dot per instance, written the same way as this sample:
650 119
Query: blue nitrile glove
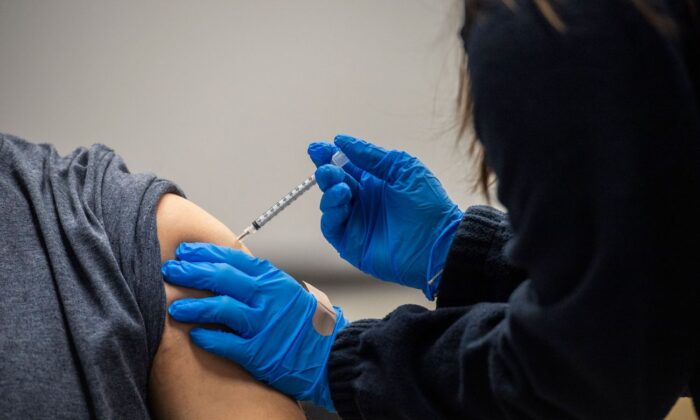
385 212
282 333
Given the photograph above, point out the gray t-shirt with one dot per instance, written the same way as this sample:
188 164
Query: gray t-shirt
82 303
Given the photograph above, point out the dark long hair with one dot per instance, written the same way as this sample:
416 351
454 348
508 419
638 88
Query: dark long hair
484 175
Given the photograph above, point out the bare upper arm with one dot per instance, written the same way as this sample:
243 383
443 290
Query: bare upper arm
186 381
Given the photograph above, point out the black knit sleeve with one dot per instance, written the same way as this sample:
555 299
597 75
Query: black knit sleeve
593 132
477 269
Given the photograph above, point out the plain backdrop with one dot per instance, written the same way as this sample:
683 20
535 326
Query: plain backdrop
223 97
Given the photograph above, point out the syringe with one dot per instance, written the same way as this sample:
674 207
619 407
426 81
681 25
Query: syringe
339 159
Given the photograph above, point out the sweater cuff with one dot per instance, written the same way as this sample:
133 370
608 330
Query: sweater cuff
344 368
476 269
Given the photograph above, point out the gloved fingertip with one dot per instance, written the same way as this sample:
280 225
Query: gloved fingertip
328 175
344 139
184 273
181 304
167 267
179 311
172 309
200 252
325 170
354 148
345 143
186 248
318 146
321 152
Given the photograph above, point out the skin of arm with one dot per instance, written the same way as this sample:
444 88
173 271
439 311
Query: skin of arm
185 381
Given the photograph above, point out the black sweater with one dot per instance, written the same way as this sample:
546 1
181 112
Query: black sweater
594 134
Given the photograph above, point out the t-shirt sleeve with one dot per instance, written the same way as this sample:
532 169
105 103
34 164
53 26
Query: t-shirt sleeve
126 204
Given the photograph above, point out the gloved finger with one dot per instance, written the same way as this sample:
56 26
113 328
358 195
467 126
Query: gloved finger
204 252
321 152
366 156
353 171
329 175
337 195
223 310
333 223
220 278
224 344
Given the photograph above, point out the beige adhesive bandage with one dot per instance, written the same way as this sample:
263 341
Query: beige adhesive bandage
324 318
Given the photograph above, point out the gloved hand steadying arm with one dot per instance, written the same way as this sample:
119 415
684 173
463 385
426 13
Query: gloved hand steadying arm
385 212
282 332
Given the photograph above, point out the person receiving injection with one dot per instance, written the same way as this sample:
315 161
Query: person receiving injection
581 302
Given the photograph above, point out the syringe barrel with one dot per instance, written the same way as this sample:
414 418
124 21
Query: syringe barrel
285 201
339 159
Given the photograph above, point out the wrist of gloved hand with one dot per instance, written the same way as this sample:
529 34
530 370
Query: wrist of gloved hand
321 395
438 253
327 320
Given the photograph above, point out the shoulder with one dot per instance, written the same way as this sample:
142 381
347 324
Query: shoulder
45 158
16 150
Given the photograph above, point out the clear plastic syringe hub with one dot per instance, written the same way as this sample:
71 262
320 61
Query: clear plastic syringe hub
338 159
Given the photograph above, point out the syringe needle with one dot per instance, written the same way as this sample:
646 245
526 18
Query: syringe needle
243 235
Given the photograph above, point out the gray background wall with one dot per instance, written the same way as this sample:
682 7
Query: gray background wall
223 97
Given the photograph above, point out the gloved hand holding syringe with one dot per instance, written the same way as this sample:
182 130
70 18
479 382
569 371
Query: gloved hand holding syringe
339 159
